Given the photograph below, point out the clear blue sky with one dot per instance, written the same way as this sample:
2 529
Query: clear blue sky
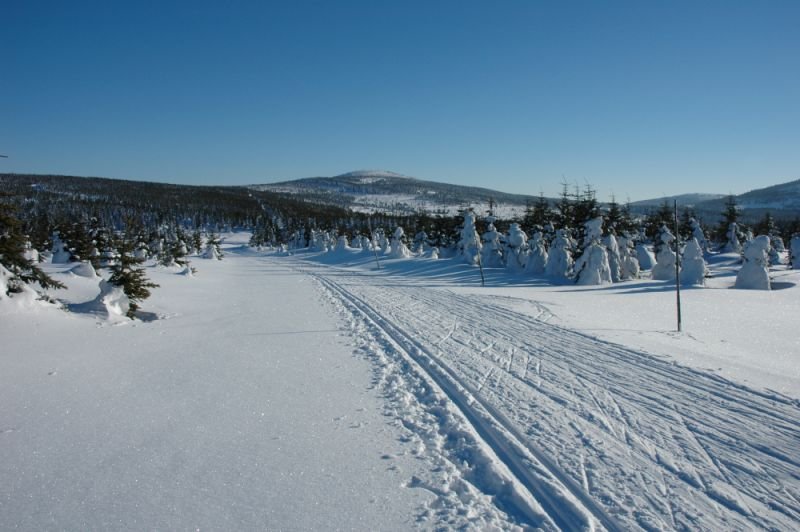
639 99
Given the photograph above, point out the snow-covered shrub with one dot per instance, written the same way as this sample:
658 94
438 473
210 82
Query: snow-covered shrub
664 270
754 274
693 265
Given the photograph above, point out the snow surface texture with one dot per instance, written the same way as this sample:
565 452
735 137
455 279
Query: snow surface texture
614 435
497 407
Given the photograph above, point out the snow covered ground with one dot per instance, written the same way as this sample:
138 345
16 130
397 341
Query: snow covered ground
515 404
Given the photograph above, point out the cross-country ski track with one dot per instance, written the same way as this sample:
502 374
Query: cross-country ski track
584 433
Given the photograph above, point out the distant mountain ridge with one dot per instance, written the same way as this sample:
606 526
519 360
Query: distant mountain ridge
782 201
369 190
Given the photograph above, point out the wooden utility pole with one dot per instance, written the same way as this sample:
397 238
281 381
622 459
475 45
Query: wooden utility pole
677 266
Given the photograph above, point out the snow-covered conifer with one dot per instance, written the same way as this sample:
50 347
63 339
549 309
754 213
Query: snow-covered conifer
213 250
342 244
734 237
559 259
469 245
754 274
420 242
516 247
614 258
664 270
794 250
698 234
629 266
127 272
645 257
399 250
18 270
60 253
693 265
592 266
492 250
537 258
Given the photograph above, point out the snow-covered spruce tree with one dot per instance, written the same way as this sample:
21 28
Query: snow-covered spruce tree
213 250
614 258
492 249
13 247
516 247
127 272
469 244
197 242
399 250
592 267
693 265
644 256
536 260
420 242
559 259
733 239
342 244
754 274
698 234
794 251
664 270
629 266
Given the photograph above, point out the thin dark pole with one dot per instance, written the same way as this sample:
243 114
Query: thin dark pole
480 266
677 266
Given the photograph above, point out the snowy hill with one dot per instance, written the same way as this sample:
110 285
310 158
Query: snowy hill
782 201
689 200
391 192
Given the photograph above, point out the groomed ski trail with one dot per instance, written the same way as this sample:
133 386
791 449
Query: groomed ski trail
597 433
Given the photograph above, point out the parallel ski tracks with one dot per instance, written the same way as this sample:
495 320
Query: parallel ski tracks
494 428
635 439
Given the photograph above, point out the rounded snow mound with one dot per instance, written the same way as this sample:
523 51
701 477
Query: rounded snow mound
84 269
114 300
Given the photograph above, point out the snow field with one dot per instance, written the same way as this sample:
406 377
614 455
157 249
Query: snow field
242 407
517 405
638 440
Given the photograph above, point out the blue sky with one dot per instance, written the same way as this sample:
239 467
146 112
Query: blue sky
638 99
